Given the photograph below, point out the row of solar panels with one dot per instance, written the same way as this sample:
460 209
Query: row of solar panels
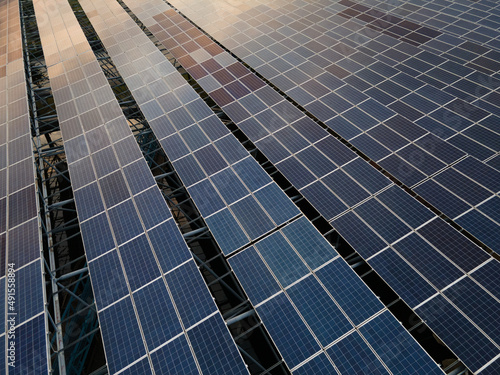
21 292
153 305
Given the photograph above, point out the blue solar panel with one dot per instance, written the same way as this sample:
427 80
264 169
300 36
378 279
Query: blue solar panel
352 355
428 261
121 334
252 217
291 335
353 296
296 172
91 204
108 279
315 161
23 244
458 249
125 221
466 189
228 185
159 319
405 206
468 343
151 207
482 228
492 369
320 312
480 173
139 262
258 282
207 198
485 275
391 228
251 174
370 147
142 367
420 159
169 245
442 199
324 200
276 204
345 188
226 230
190 294
478 305
31 354
402 170
309 243
215 349
281 258
387 336
410 286
175 357
366 175
248 212
358 234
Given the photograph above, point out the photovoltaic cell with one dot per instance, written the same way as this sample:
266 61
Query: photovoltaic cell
386 336
428 261
369 178
353 355
349 291
447 322
459 250
159 319
281 258
175 357
252 273
309 243
190 294
319 311
293 339
477 304
215 349
405 281
120 331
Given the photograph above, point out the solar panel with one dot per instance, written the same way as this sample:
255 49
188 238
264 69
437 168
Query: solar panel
386 335
444 318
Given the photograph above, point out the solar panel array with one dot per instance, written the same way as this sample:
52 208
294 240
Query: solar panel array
21 280
144 279
237 188
412 85
328 174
